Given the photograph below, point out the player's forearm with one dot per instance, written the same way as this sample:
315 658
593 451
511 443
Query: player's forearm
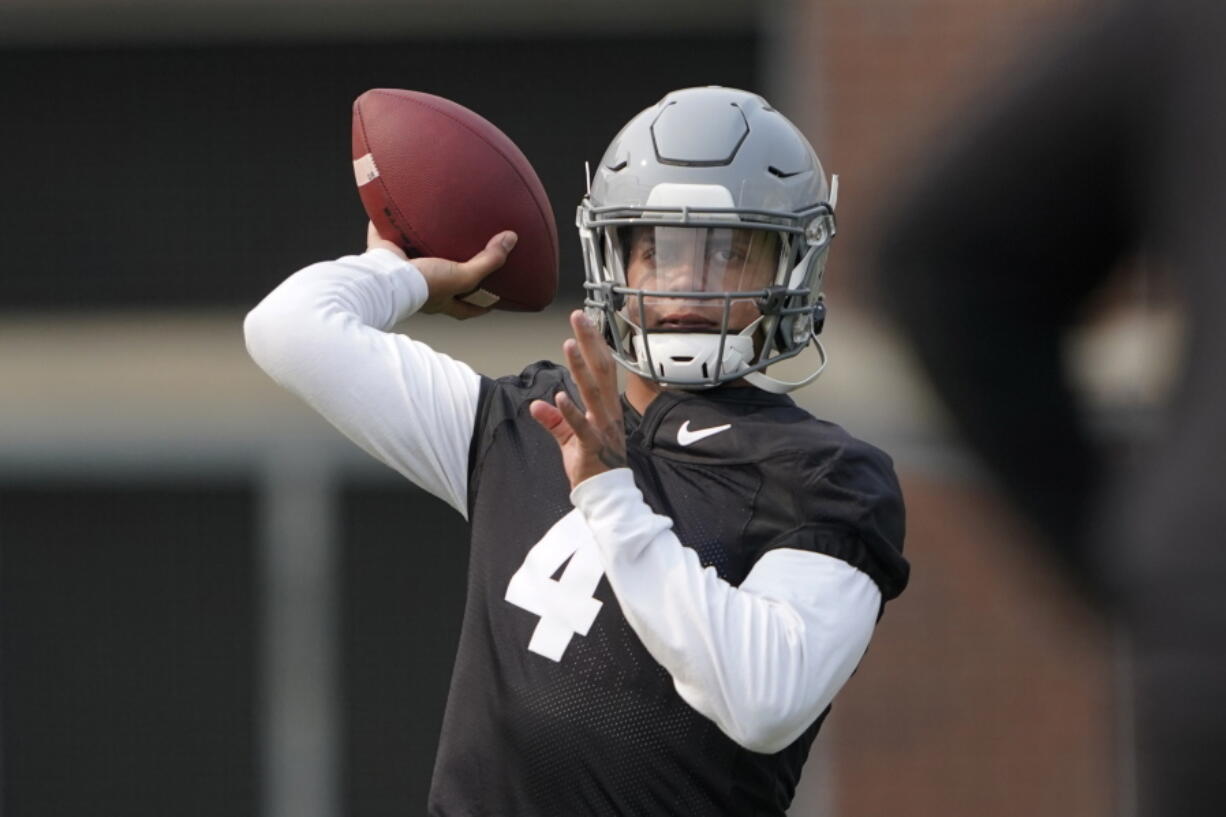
321 334
762 660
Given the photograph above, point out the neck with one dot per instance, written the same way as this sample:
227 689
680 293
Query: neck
640 391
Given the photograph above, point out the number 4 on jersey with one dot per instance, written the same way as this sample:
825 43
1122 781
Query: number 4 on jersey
565 604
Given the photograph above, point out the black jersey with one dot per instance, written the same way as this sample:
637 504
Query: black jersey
550 723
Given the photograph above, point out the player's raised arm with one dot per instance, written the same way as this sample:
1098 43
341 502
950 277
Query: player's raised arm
324 335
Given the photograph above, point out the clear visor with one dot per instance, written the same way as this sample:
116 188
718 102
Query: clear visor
697 259
695 279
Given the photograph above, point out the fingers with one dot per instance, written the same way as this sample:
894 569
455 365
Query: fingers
446 280
551 419
376 241
474 270
591 442
593 349
578 422
582 375
591 365
564 420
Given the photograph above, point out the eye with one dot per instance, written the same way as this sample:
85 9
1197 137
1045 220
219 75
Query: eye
728 255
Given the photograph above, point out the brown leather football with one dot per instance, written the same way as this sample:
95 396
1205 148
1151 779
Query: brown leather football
439 180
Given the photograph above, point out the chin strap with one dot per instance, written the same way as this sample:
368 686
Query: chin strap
775 386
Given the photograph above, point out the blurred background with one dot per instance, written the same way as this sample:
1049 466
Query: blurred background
210 603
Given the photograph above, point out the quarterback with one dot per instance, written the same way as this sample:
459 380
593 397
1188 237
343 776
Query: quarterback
667 587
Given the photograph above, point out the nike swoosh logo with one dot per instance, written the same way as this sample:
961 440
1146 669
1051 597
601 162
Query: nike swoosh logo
687 437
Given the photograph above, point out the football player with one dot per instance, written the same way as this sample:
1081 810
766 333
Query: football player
667 587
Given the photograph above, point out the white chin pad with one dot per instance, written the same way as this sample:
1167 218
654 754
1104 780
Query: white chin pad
689 357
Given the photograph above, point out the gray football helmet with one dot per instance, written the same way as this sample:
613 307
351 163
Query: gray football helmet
705 231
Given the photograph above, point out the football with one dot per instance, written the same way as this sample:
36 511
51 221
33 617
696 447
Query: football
439 180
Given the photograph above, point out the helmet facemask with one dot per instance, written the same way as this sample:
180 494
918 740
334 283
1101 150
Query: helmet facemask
699 297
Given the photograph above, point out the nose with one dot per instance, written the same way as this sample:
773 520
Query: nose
679 274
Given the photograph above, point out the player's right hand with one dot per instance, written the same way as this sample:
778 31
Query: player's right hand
448 279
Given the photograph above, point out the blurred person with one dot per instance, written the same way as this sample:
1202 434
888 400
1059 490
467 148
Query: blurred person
666 588
1111 142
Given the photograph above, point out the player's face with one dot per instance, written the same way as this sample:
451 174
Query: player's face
698 259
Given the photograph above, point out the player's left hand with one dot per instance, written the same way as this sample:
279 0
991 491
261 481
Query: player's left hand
594 441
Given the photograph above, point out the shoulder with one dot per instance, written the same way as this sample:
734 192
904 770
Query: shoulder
508 397
794 438
537 380
816 487
502 408
839 495
816 453
832 477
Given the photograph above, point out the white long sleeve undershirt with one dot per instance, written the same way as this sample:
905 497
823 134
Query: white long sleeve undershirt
761 660
323 335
